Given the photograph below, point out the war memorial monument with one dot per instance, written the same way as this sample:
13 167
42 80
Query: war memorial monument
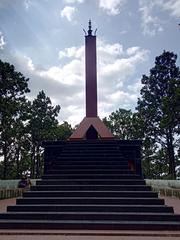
91 181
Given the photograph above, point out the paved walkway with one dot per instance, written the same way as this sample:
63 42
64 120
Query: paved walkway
88 235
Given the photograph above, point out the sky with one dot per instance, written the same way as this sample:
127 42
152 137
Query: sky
44 40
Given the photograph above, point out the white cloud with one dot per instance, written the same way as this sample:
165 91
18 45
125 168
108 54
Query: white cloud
123 97
65 83
12 3
68 12
69 74
112 7
132 50
136 87
115 100
151 25
31 65
173 6
115 66
27 4
111 50
2 41
72 52
73 1
115 62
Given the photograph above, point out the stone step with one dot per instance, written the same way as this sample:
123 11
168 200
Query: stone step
99 142
91 181
137 194
120 216
90 171
102 141
91 176
88 185
94 156
90 200
89 161
90 166
93 150
91 207
89 225
89 152
86 162
76 187
95 145
92 145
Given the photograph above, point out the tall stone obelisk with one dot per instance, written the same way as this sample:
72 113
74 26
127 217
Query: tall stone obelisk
91 126
91 74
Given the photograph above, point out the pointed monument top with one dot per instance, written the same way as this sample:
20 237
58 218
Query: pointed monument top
90 28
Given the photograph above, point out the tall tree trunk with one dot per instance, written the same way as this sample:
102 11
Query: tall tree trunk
170 150
38 162
17 163
5 152
33 163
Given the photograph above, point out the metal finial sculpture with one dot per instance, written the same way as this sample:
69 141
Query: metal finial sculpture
90 31
90 28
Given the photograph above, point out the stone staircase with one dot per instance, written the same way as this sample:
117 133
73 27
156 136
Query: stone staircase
91 184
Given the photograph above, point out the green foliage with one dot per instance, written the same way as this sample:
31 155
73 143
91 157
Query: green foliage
157 120
43 122
123 124
155 164
24 125
64 131
42 126
159 108
13 86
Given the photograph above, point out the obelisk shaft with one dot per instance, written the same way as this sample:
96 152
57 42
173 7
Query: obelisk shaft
91 127
91 76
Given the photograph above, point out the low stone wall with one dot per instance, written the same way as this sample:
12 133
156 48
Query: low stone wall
169 188
164 183
13 183
9 188
170 192
11 193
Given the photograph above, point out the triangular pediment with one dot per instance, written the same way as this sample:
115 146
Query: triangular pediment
86 124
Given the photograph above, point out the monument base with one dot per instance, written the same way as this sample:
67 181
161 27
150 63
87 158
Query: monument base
91 128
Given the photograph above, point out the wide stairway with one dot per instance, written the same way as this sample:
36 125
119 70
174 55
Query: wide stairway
91 184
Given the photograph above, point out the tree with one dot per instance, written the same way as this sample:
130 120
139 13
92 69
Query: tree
13 86
159 107
24 125
123 124
64 131
42 126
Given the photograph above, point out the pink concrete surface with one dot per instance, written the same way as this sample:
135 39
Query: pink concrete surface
70 237
5 203
96 122
174 202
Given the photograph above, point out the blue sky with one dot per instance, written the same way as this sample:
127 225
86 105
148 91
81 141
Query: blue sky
44 39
